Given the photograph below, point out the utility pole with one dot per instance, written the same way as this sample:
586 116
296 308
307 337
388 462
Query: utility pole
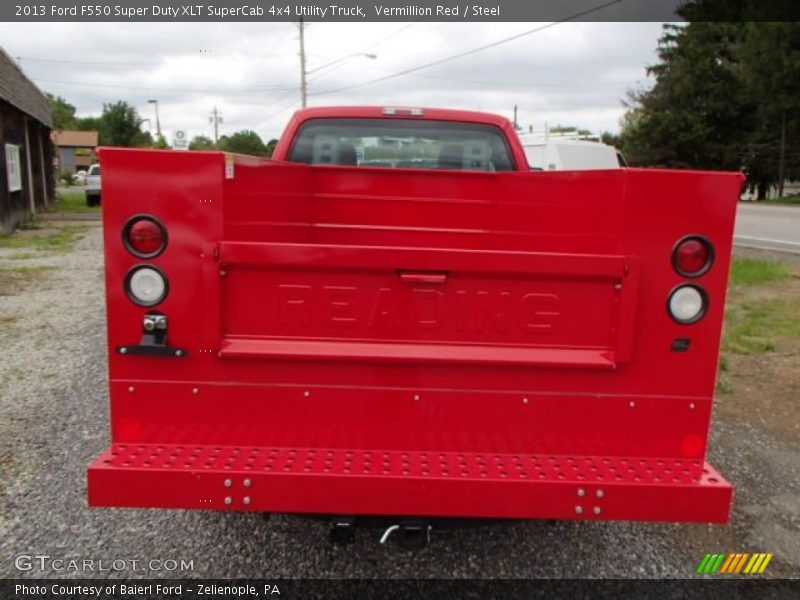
515 118
158 123
215 119
303 85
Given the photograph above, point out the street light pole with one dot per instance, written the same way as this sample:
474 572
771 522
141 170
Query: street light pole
304 73
158 123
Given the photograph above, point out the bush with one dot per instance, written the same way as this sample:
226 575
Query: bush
65 177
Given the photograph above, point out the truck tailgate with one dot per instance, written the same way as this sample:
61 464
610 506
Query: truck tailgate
426 305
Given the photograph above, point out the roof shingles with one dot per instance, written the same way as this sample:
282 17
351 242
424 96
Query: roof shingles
21 92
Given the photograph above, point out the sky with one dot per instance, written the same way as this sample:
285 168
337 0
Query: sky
565 74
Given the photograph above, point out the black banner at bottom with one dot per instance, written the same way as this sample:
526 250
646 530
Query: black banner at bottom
365 589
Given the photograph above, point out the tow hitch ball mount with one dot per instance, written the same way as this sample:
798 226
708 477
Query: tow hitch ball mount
410 534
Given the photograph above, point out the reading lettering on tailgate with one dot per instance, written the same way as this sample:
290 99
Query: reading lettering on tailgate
415 309
370 306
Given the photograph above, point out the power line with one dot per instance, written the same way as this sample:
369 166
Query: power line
390 36
168 90
86 62
280 38
368 48
536 84
61 61
284 108
473 50
391 75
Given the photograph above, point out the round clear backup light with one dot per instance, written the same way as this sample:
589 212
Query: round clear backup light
146 285
687 304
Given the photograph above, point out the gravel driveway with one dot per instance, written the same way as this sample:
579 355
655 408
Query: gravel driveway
54 421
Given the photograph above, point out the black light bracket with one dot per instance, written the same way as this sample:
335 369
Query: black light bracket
154 338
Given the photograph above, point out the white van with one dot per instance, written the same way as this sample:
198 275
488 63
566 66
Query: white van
562 153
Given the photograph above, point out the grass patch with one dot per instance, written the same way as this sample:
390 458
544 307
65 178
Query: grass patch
14 280
724 386
763 309
72 201
792 199
753 327
751 271
51 241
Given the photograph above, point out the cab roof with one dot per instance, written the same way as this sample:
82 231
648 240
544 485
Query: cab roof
403 112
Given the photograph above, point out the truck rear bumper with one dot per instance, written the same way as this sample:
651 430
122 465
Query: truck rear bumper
451 484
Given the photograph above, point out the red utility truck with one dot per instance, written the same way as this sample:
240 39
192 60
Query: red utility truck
394 316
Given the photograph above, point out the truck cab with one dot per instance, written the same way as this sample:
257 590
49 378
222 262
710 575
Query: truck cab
394 316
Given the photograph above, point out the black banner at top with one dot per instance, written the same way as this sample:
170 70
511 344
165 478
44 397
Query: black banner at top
391 10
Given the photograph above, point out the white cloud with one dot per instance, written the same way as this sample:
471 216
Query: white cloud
572 73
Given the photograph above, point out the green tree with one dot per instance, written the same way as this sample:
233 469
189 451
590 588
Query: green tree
569 129
726 94
612 139
63 113
120 126
161 143
770 58
201 142
88 123
697 114
243 142
271 146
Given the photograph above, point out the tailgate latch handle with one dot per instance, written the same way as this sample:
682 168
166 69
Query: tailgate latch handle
423 276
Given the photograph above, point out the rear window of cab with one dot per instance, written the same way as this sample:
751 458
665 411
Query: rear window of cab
402 144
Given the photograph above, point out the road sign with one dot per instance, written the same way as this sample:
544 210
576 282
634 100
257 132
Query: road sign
180 140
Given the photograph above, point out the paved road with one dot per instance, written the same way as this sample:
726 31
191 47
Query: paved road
768 226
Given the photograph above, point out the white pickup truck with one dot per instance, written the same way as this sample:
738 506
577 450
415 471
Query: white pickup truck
93 185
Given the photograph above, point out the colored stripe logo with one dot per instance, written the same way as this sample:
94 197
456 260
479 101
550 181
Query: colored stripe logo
740 562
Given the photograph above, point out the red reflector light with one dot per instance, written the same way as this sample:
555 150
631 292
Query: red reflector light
692 257
144 237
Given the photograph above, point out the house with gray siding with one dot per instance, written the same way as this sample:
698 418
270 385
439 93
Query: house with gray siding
74 150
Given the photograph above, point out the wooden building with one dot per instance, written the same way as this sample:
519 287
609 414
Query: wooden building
27 182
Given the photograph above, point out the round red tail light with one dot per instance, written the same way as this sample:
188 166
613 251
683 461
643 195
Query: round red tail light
144 236
692 256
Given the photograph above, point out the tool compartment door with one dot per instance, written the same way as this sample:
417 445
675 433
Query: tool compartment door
421 305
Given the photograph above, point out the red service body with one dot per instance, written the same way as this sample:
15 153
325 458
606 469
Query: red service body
432 342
